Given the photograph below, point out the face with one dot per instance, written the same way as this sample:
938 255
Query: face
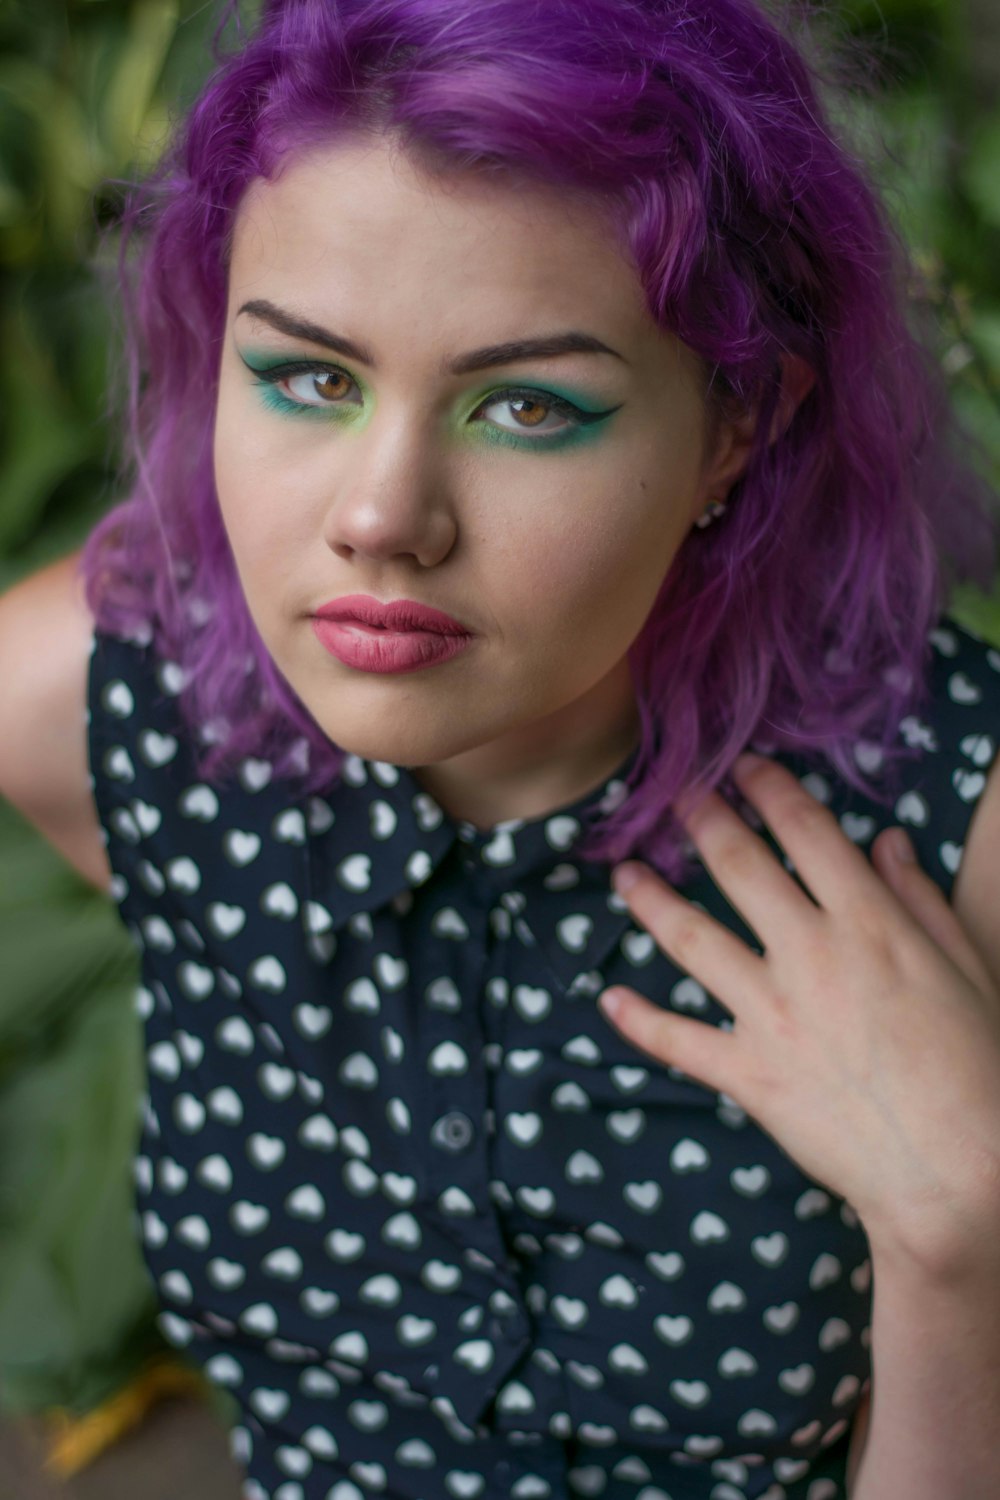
537 499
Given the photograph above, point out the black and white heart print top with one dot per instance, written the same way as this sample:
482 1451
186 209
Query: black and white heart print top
406 1193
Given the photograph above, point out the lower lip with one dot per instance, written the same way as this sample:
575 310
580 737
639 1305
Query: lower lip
372 650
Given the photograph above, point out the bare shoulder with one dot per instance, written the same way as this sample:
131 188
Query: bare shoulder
976 894
46 630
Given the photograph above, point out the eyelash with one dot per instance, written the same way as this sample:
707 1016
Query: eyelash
574 414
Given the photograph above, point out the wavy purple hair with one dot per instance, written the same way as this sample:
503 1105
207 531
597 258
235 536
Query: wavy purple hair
799 621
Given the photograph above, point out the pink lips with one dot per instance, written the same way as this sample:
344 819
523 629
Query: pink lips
399 636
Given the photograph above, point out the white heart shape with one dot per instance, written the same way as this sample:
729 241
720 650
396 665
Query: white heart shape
267 974
306 1202
618 1291
667 1264
537 1200
571 1312
355 872
561 831
726 1297
289 827
781 1319
708 1228
968 784
574 932
226 1274
979 748
157 749
312 1021
225 920
770 1249
117 699
269 1404
688 994
215 1172
276 1081
183 874
344 1245
195 980
265 1151
645 1197
383 1290
240 847
199 802
859 827
362 995
318 1131
249 1218
225 1104
317 1302
690 1393
523 1129
391 972
279 901
234 1035
961 689
798 1380
673 1330
531 1002
383 819
689 1156
737 1362
583 1167
255 774
750 1181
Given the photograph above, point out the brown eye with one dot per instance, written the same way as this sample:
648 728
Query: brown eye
331 384
533 411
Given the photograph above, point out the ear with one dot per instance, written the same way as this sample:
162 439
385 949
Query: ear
797 380
735 436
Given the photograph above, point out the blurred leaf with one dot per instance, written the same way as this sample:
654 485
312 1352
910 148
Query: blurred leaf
981 176
138 67
51 440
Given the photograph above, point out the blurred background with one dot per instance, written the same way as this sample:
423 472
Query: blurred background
88 89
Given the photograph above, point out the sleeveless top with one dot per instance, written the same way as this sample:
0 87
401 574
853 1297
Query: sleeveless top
406 1193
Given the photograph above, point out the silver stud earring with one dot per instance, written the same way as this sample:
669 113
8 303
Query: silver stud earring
712 512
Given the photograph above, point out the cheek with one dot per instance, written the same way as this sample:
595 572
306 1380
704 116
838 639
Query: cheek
597 569
255 492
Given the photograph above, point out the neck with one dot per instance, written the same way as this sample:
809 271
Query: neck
542 766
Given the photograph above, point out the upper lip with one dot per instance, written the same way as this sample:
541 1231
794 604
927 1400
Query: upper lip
394 614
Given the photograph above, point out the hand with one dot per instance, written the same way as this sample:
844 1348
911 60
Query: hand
866 1036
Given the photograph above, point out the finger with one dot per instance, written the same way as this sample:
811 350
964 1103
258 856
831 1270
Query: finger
696 942
830 865
927 904
745 869
706 1053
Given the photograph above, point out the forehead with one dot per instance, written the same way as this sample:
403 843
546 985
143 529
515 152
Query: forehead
360 218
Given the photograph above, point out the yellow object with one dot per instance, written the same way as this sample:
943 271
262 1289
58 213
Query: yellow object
76 1441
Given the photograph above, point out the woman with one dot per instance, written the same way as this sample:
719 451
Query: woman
525 423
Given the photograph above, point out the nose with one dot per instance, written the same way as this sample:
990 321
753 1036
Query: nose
392 498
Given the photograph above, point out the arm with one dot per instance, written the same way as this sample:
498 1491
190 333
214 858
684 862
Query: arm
936 1338
45 637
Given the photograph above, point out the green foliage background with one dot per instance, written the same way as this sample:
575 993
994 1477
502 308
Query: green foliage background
87 91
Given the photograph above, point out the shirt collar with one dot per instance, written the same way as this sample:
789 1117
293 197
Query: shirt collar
379 835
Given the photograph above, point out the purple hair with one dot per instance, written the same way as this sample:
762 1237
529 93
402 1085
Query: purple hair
797 622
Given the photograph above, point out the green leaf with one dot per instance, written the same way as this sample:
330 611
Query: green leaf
981 174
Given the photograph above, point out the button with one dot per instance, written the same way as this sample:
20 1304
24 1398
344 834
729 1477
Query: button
454 1131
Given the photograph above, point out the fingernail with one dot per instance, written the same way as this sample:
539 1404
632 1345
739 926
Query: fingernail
902 849
747 761
625 877
611 1003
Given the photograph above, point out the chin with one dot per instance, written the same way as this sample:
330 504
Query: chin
398 744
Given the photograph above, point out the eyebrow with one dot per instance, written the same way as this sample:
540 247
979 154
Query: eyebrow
545 347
